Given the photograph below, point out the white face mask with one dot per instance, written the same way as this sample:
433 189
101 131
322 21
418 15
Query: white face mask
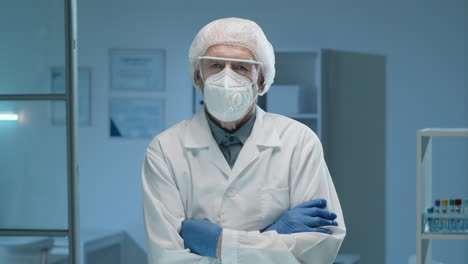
228 95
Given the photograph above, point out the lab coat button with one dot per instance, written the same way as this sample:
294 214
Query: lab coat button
231 194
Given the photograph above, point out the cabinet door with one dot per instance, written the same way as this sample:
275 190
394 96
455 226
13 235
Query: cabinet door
353 87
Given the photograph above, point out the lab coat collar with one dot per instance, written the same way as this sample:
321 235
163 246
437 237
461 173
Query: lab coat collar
263 133
198 133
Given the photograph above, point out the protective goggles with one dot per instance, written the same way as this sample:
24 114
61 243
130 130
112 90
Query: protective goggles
249 69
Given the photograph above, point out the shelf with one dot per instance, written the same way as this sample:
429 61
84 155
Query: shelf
443 236
424 178
446 216
443 132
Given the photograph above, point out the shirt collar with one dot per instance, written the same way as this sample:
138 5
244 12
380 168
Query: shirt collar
242 133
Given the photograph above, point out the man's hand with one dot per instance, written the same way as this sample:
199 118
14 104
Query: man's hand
200 236
306 217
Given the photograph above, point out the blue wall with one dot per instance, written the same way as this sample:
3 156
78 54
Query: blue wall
425 42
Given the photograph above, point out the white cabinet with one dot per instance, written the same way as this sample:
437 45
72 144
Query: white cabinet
340 95
424 189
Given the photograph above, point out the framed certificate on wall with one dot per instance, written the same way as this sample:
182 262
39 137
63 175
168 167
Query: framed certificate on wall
137 69
136 117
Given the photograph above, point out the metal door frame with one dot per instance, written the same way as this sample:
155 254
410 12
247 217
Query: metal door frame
71 100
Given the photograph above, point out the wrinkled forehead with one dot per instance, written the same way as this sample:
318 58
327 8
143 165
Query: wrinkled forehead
230 51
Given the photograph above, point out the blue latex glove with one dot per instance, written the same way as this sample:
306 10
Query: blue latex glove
306 217
200 236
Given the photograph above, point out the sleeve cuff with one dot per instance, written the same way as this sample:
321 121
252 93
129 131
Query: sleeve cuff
230 246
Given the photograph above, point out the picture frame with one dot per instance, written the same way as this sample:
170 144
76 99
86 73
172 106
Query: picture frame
137 70
134 117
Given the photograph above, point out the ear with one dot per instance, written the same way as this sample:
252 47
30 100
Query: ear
197 79
261 83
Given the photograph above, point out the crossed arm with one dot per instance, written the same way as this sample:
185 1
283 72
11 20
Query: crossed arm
205 238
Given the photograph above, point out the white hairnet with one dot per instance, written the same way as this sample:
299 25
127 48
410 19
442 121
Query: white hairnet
239 32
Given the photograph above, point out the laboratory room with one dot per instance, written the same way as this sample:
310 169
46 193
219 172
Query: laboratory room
312 132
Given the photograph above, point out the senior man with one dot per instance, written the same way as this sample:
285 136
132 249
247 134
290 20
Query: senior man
236 184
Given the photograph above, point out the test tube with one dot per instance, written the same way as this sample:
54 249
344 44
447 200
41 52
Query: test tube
436 220
465 212
458 227
444 222
429 221
436 206
443 208
451 221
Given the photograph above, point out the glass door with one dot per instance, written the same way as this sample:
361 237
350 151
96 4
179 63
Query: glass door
38 131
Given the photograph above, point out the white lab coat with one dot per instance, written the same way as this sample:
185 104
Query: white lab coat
185 176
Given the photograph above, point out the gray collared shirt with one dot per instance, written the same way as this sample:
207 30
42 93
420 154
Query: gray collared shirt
230 143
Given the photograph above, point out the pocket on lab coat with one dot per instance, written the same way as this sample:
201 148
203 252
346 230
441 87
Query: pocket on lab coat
275 201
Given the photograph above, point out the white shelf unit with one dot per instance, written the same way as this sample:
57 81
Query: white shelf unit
424 189
297 90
